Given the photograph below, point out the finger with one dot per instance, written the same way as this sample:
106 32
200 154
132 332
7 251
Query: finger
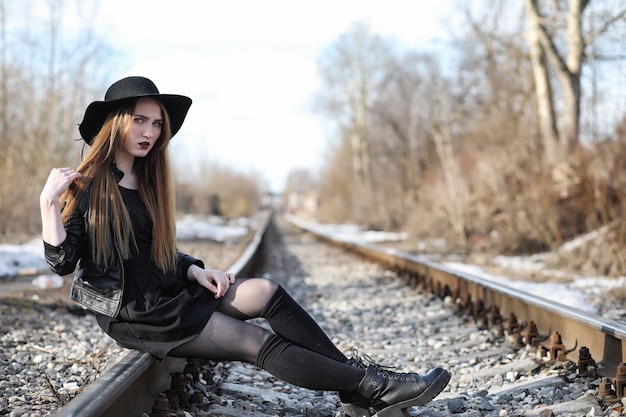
212 288
208 284
222 287
228 280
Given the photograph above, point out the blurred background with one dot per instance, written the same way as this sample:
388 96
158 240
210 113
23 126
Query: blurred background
498 127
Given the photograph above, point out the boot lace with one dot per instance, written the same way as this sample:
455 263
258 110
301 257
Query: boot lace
362 361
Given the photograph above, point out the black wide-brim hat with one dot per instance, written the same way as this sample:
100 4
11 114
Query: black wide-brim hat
129 88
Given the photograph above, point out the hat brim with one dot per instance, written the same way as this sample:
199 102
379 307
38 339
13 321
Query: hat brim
96 113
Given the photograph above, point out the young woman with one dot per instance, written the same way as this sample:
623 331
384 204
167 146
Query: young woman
113 217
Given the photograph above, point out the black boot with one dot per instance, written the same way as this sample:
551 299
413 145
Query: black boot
355 405
391 393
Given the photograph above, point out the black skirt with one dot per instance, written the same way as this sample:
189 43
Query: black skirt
160 310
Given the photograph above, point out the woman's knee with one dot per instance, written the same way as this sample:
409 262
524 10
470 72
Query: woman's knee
266 287
249 297
260 288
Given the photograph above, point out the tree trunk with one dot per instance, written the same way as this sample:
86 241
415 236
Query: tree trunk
360 147
570 76
543 87
568 69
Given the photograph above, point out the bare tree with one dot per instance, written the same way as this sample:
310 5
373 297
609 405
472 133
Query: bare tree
44 90
549 35
402 114
350 70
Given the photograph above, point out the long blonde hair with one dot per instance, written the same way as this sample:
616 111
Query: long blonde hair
110 227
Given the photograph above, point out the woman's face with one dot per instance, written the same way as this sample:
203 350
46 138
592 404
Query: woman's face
145 128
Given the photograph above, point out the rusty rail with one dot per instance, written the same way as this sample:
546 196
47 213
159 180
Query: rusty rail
565 331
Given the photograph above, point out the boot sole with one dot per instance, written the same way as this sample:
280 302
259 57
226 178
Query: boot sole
400 409
353 410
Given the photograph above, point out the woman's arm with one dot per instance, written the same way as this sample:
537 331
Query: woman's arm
52 228
61 248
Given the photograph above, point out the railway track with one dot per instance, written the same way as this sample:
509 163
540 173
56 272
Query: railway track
502 346
490 303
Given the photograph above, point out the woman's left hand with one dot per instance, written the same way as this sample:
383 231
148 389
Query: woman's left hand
216 281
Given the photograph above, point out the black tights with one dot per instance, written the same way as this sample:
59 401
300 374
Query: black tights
298 352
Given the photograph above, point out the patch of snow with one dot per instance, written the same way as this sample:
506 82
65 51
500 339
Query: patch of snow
22 259
572 294
349 232
192 227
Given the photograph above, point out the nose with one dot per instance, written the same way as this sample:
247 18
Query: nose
148 132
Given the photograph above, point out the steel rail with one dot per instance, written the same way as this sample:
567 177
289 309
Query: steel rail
604 338
130 386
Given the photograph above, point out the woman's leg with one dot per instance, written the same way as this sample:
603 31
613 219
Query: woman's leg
265 298
260 297
230 338
226 338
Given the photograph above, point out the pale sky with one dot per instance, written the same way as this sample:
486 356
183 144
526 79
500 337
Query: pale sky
250 68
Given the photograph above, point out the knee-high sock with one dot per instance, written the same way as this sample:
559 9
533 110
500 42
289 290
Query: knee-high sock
304 368
290 321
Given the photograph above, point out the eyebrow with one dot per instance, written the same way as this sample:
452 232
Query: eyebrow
146 117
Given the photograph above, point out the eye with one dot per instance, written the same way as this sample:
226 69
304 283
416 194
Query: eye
138 119
158 123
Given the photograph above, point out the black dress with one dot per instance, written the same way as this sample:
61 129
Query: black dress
160 310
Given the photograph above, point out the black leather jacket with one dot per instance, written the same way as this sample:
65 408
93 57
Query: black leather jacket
94 286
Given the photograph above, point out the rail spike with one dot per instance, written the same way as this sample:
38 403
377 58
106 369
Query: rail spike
586 364
557 349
